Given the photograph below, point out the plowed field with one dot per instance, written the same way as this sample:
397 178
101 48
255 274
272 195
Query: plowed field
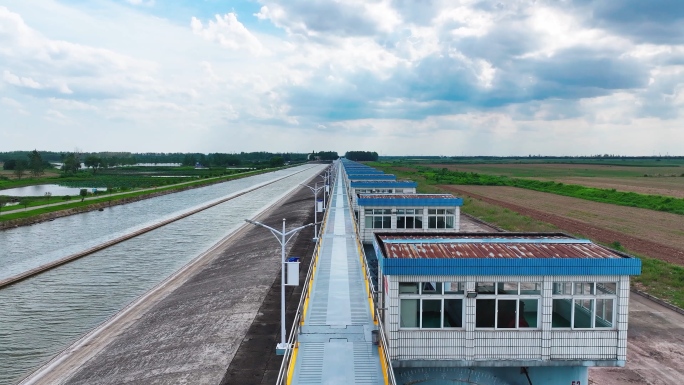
651 233
671 187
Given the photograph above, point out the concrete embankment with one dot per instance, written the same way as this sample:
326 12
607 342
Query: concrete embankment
188 329
114 201
69 258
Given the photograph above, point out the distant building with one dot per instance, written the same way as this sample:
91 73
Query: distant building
415 213
378 187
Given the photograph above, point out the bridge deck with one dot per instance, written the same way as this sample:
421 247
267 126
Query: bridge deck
335 343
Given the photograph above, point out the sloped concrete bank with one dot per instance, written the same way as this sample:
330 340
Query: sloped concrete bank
189 328
114 202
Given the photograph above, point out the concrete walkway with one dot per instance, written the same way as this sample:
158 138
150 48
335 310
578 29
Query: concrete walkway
335 343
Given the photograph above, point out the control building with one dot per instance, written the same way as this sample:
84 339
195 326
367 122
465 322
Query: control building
415 213
501 308
378 187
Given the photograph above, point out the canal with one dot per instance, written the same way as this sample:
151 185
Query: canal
41 316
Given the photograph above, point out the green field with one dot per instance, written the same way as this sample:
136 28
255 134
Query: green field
433 174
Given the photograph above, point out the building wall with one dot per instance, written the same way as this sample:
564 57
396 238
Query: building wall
367 234
400 190
471 344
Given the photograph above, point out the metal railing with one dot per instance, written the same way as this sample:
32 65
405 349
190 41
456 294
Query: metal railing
286 365
373 298
293 339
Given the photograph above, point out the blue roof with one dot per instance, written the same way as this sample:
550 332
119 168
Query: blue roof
382 183
406 202
529 266
372 177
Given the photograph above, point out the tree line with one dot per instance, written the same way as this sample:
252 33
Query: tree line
361 156
35 163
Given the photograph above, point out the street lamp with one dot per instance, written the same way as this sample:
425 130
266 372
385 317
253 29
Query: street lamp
283 240
315 191
325 186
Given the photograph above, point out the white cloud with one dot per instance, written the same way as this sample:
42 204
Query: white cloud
148 3
61 67
397 76
15 80
227 31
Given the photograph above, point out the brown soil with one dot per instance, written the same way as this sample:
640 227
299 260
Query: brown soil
647 232
666 186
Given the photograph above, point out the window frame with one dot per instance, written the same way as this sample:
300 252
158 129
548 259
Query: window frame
447 216
416 215
579 293
497 295
428 296
384 215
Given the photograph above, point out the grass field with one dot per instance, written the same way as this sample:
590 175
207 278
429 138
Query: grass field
564 170
665 186
649 180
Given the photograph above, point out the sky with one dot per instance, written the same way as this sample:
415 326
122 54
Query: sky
400 77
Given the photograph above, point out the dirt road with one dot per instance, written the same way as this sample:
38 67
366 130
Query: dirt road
655 348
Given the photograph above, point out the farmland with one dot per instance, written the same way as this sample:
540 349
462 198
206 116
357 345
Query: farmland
664 229
666 180
657 237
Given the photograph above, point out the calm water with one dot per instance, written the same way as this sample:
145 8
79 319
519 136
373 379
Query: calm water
41 316
41 189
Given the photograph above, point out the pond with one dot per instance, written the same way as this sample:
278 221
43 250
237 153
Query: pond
41 189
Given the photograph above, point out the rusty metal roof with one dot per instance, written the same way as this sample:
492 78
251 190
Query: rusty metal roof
490 246
407 196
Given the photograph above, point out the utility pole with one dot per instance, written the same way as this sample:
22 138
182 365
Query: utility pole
315 191
283 238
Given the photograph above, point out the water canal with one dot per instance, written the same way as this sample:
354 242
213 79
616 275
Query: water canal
41 316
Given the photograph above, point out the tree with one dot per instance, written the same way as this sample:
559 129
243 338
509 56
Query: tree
71 163
35 163
276 161
25 202
189 160
361 156
9 164
83 193
93 162
20 169
3 201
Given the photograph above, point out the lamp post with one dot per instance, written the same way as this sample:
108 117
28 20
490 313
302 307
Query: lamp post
325 186
282 237
315 191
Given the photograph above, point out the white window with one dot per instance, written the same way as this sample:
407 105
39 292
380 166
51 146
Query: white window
507 305
378 218
431 305
441 218
409 218
584 305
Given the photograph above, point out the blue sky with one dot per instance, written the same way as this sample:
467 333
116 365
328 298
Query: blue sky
399 77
